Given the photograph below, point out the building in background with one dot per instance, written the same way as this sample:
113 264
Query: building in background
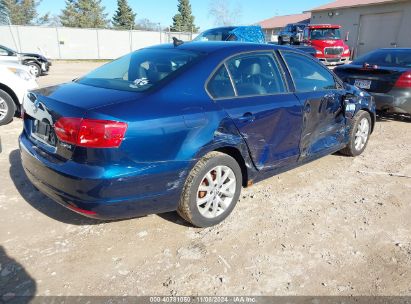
272 26
371 24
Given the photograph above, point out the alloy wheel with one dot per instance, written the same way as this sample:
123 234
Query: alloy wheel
34 70
216 192
363 131
3 108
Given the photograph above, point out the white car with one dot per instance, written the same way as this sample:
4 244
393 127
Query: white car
15 81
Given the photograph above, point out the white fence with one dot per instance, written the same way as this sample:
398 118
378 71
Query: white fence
75 43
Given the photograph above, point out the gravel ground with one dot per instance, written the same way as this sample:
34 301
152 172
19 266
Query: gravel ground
337 226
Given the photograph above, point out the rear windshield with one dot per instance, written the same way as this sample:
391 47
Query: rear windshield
140 70
393 58
325 34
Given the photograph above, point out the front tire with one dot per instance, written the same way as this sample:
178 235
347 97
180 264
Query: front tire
211 190
34 69
359 134
7 108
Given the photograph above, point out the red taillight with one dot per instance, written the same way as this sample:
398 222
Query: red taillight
67 129
404 81
90 133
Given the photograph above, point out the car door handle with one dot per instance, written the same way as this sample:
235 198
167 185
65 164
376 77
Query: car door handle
247 117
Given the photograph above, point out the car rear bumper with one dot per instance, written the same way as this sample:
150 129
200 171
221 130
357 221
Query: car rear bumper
152 189
395 101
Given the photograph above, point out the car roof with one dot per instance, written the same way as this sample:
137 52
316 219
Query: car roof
214 46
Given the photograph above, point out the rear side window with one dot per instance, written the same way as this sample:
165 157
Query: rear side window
256 74
307 74
220 85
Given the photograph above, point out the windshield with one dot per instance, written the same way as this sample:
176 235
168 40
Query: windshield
140 70
325 34
216 35
393 58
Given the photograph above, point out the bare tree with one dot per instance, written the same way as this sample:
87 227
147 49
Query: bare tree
225 12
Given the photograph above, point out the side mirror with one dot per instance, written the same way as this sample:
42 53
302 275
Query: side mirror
347 36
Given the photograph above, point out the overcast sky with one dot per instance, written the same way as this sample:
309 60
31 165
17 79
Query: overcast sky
162 11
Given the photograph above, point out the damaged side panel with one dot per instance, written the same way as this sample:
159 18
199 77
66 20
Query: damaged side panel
323 122
270 126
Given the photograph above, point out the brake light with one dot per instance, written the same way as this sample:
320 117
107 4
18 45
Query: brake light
404 81
90 133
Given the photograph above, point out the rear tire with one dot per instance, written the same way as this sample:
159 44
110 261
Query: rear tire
211 190
7 108
359 134
280 41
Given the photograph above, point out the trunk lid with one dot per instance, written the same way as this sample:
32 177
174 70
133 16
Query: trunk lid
382 79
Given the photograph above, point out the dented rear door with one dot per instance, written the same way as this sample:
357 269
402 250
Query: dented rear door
266 113
270 125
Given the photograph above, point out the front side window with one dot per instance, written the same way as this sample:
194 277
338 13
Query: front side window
256 74
307 74
140 70
220 85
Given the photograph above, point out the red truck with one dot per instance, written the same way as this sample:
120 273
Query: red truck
326 39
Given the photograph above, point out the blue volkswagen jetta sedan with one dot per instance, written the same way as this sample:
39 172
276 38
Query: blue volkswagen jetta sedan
186 127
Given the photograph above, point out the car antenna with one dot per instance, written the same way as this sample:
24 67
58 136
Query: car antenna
177 42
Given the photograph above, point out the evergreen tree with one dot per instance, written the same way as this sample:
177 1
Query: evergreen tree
68 15
44 20
91 14
84 14
28 9
124 17
183 21
21 12
4 13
